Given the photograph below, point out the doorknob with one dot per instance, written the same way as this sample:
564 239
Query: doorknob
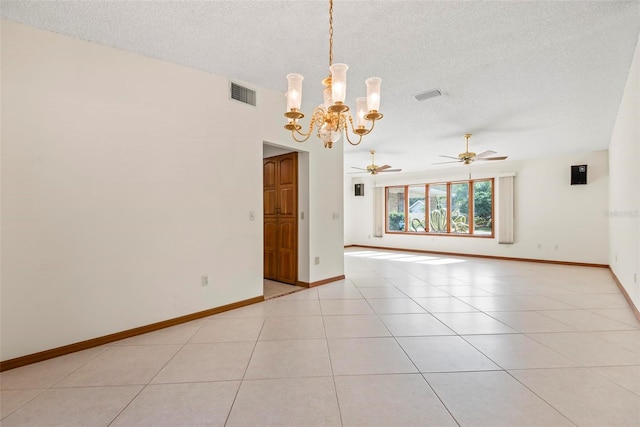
277 210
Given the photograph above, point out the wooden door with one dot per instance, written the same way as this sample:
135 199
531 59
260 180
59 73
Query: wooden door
280 196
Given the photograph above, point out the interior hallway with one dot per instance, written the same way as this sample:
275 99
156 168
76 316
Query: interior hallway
406 340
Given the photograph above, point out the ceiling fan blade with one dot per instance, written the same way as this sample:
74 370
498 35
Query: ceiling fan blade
485 154
493 158
442 163
362 169
381 168
390 170
351 173
449 157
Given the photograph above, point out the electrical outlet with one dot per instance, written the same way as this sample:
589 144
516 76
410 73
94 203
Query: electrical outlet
252 215
317 260
205 280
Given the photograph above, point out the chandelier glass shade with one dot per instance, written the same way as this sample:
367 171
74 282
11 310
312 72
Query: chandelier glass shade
332 118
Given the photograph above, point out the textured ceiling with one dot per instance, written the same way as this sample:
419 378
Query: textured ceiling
528 79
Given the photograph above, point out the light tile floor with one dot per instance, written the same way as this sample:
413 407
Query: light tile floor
406 340
273 289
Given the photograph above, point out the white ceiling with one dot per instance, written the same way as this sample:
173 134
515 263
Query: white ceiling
527 78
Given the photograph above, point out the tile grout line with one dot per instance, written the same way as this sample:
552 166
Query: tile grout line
255 344
25 403
51 386
144 386
333 376
395 338
541 398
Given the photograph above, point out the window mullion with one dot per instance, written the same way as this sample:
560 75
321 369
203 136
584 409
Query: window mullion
386 209
448 207
427 210
471 220
493 207
406 208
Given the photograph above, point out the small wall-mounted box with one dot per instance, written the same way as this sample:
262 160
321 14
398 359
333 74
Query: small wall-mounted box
358 189
578 174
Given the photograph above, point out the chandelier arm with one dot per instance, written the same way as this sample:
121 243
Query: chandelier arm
346 132
293 135
305 135
373 124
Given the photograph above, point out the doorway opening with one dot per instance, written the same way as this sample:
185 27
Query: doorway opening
280 223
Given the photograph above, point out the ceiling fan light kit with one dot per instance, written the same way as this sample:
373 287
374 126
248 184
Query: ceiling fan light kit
332 118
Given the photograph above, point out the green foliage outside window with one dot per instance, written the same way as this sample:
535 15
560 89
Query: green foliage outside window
438 220
396 221
482 206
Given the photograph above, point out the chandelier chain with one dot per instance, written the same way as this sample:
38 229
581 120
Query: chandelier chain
330 32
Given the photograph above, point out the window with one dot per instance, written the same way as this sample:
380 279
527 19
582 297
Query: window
417 209
463 208
438 208
395 209
460 208
483 207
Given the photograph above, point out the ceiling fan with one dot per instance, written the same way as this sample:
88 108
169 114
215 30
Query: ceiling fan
374 169
469 157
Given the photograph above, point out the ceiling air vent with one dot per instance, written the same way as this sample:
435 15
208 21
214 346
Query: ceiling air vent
243 94
428 95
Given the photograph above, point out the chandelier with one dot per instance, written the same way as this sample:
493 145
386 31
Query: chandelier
332 118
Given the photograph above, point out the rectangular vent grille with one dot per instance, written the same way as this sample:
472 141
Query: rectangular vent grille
428 94
243 94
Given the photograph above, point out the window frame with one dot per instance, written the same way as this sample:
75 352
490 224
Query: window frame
449 201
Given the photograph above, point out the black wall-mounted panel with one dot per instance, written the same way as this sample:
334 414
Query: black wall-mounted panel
578 174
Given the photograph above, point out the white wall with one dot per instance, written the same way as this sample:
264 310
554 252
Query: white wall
124 180
549 212
624 188
326 216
